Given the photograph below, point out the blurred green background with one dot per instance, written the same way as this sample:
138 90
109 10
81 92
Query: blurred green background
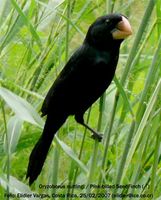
36 40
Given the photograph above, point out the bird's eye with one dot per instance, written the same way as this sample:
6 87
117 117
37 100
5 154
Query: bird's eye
107 21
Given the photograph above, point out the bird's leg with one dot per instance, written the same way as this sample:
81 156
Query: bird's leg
95 135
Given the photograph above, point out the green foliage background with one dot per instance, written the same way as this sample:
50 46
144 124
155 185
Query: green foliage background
36 39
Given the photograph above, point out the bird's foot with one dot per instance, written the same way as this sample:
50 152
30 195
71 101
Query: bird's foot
97 136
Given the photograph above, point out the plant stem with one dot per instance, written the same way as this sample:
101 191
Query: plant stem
81 148
67 31
155 164
55 169
140 129
107 139
7 148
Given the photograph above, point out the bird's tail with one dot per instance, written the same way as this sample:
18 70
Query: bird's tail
39 152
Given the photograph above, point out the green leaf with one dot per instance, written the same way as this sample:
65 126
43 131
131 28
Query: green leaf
124 96
13 134
21 107
71 154
27 22
142 125
15 187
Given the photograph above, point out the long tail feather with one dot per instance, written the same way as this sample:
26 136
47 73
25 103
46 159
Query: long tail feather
40 151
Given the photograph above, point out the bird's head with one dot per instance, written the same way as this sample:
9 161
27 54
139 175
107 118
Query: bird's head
108 30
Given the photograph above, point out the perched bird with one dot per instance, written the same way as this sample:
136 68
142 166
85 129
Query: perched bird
82 81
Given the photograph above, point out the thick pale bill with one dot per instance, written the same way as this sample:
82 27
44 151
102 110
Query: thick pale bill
123 29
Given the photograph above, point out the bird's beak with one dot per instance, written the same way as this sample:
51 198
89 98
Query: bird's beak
123 29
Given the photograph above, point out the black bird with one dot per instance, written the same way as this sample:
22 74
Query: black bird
83 80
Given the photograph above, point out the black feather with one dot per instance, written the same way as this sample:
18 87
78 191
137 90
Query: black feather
83 80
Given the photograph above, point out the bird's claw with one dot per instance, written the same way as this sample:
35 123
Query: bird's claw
97 136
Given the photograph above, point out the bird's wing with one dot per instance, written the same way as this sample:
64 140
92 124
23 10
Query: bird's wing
63 84
74 81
